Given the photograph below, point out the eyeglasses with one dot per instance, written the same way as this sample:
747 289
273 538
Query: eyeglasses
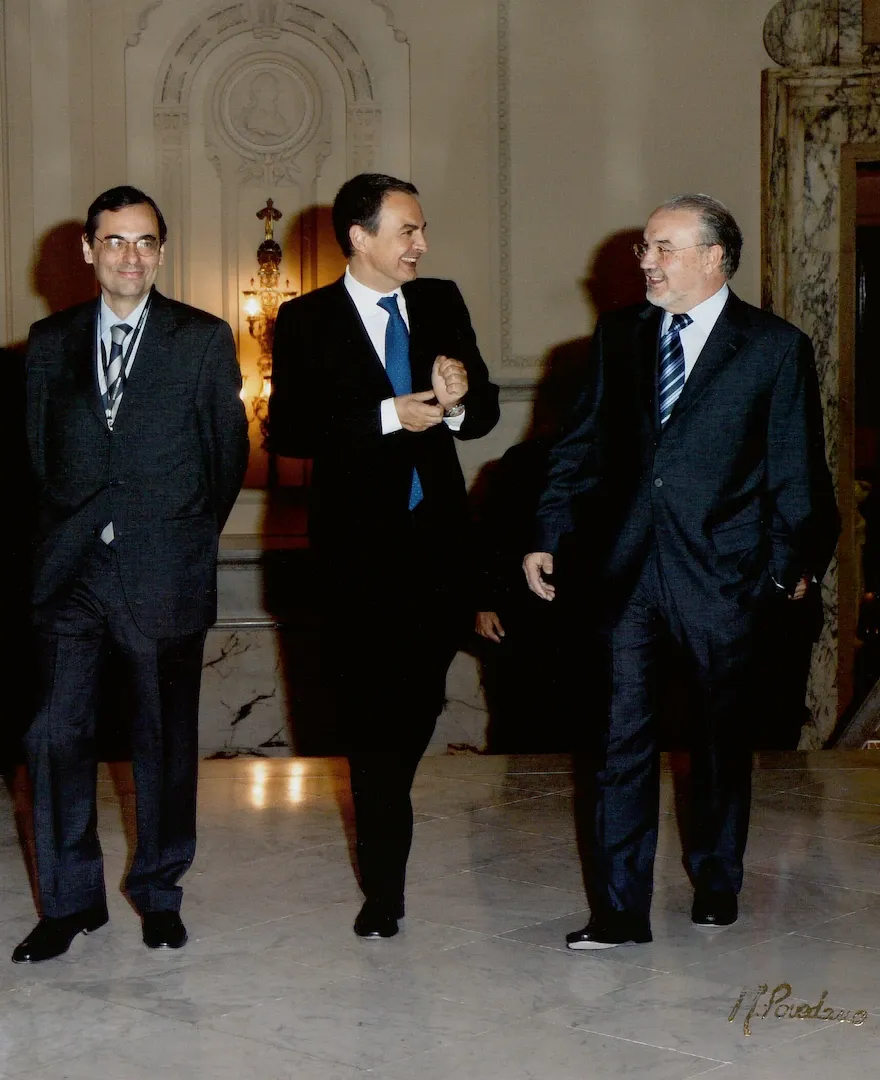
116 245
664 253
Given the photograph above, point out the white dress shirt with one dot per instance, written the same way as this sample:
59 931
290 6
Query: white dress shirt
107 319
375 320
694 336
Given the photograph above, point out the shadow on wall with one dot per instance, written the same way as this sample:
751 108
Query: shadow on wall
17 670
293 592
61 277
528 675
59 273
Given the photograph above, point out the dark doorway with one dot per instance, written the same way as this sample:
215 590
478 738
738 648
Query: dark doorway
866 381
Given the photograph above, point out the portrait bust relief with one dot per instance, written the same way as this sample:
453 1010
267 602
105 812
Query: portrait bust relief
263 118
267 105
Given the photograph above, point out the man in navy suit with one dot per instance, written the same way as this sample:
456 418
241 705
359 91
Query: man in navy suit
138 445
375 377
689 494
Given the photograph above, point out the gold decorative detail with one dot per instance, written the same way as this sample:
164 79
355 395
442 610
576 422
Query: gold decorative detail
795 1011
261 306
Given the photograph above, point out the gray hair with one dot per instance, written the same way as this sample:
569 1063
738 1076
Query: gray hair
717 224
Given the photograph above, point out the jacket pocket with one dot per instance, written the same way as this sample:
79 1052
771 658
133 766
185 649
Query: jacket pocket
740 536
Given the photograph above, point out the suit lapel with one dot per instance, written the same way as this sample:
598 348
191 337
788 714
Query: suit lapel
726 339
79 351
647 335
350 340
421 358
154 359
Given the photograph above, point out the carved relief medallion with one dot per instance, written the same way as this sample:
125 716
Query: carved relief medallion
267 105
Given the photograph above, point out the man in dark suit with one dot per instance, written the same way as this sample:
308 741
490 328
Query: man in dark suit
689 494
138 443
375 377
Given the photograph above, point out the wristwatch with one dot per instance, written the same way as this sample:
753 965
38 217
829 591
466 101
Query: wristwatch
456 410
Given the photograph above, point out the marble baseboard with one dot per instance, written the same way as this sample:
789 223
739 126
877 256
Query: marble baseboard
262 693
244 702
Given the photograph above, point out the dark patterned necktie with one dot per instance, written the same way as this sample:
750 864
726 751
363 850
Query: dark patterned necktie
114 369
398 370
672 365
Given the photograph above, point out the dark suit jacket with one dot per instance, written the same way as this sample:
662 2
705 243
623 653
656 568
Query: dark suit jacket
167 475
327 387
735 489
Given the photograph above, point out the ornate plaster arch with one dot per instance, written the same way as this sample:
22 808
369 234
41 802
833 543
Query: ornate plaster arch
268 22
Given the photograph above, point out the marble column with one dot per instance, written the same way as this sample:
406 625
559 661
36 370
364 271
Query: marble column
825 100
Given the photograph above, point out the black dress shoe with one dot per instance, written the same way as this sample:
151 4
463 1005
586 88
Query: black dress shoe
52 937
163 930
714 907
378 919
610 930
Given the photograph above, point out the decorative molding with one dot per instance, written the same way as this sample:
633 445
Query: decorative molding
262 18
504 182
818 33
511 390
364 127
142 22
270 160
213 155
266 12
399 35
266 105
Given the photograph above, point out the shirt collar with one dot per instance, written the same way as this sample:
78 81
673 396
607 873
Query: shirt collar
109 318
366 300
706 313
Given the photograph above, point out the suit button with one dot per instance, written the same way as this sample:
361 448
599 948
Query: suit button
658 482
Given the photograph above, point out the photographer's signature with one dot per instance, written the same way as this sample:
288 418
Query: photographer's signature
759 1010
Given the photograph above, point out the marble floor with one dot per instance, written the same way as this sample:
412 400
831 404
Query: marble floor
274 986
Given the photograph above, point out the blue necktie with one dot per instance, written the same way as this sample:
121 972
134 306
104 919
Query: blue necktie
398 370
672 365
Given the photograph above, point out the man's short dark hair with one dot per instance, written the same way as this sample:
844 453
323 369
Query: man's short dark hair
116 199
718 226
359 202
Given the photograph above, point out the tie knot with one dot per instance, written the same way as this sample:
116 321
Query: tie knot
389 304
679 322
119 332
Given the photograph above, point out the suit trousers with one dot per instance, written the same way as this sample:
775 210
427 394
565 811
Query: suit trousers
401 635
717 654
163 679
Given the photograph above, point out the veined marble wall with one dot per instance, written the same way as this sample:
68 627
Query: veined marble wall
812 112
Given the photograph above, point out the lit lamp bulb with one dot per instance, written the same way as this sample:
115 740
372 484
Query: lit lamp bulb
252 307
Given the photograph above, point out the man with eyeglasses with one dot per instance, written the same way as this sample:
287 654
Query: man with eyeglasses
138 443
688 495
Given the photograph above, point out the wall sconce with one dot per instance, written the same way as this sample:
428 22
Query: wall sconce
260 306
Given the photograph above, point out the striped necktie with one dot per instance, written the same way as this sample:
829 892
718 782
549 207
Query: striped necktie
672 365
398 371
114 367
